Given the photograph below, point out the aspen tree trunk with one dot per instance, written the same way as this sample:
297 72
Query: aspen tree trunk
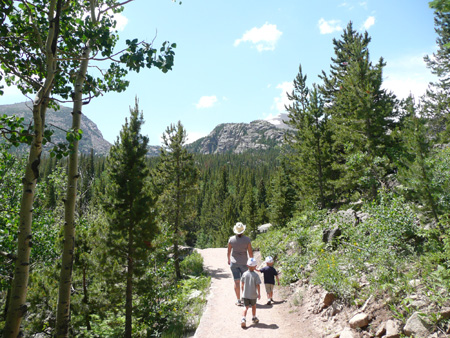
65 279
17 305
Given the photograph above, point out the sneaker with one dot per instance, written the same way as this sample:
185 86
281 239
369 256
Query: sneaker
243 323
238 302
269 302
255 320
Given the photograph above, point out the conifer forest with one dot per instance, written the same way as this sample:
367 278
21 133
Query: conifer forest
103 246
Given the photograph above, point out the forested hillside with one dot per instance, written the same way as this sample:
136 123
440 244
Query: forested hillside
358 198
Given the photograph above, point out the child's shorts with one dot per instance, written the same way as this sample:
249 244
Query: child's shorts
249 302
269 287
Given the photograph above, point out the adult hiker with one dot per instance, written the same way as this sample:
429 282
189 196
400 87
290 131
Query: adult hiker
238 248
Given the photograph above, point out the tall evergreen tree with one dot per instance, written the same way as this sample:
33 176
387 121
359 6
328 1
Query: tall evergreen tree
437 99
310 143
129 205
282 197
362 114
249 211
416 169
176 177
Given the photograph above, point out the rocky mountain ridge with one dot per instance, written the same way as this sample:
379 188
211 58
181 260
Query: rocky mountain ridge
61 120
239 137
225 138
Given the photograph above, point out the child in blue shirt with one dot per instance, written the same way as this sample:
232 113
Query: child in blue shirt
269 273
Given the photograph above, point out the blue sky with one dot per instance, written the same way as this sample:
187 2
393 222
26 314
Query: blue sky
235 60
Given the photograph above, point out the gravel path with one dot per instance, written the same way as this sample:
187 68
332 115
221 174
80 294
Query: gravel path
222 317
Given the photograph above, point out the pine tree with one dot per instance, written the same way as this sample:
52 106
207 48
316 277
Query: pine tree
437 99
176 177
283 196
362 114
249 211
129 205
416 169
310 143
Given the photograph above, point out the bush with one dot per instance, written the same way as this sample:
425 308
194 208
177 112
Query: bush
192 265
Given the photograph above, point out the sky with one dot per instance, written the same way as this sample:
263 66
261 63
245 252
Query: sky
235 60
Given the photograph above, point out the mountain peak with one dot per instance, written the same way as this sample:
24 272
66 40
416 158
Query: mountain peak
239 137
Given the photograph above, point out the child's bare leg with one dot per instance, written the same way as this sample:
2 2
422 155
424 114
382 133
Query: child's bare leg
244 313
254 310
270 295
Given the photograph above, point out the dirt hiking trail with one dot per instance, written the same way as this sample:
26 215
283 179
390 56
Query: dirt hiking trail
222 318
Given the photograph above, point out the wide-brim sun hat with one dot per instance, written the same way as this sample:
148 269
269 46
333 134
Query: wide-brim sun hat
269 259
239 228
251 262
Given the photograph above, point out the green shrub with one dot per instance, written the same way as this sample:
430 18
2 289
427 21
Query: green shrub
192 265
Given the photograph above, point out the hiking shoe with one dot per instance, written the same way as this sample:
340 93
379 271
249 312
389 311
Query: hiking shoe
255 320
243 323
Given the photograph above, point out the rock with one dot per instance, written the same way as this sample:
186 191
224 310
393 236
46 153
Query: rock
362 216
415 282
346 333
264 227
327 299
381 331
416 326
392 329
329 236
445 313
194 294
239 137
359 320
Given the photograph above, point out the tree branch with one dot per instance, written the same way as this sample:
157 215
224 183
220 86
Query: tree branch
35 29
115 6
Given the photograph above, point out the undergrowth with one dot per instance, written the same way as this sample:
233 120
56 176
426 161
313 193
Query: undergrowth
379 256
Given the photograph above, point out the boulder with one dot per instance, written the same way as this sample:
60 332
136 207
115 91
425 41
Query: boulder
381 331
264 227
346 333
358 321
416 326
327 299
392 329
445 313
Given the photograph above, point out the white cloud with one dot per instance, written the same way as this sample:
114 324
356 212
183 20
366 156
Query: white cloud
122 21
281 101
369 22
194 136
363 4
407 75
206 101
330 26
263 38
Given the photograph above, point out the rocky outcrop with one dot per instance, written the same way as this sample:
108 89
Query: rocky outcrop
239 137
59 121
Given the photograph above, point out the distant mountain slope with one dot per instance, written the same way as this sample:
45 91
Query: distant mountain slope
62 119
239 137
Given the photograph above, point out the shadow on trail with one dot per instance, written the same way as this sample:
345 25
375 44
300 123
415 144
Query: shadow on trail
263 326
266 306
218 273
